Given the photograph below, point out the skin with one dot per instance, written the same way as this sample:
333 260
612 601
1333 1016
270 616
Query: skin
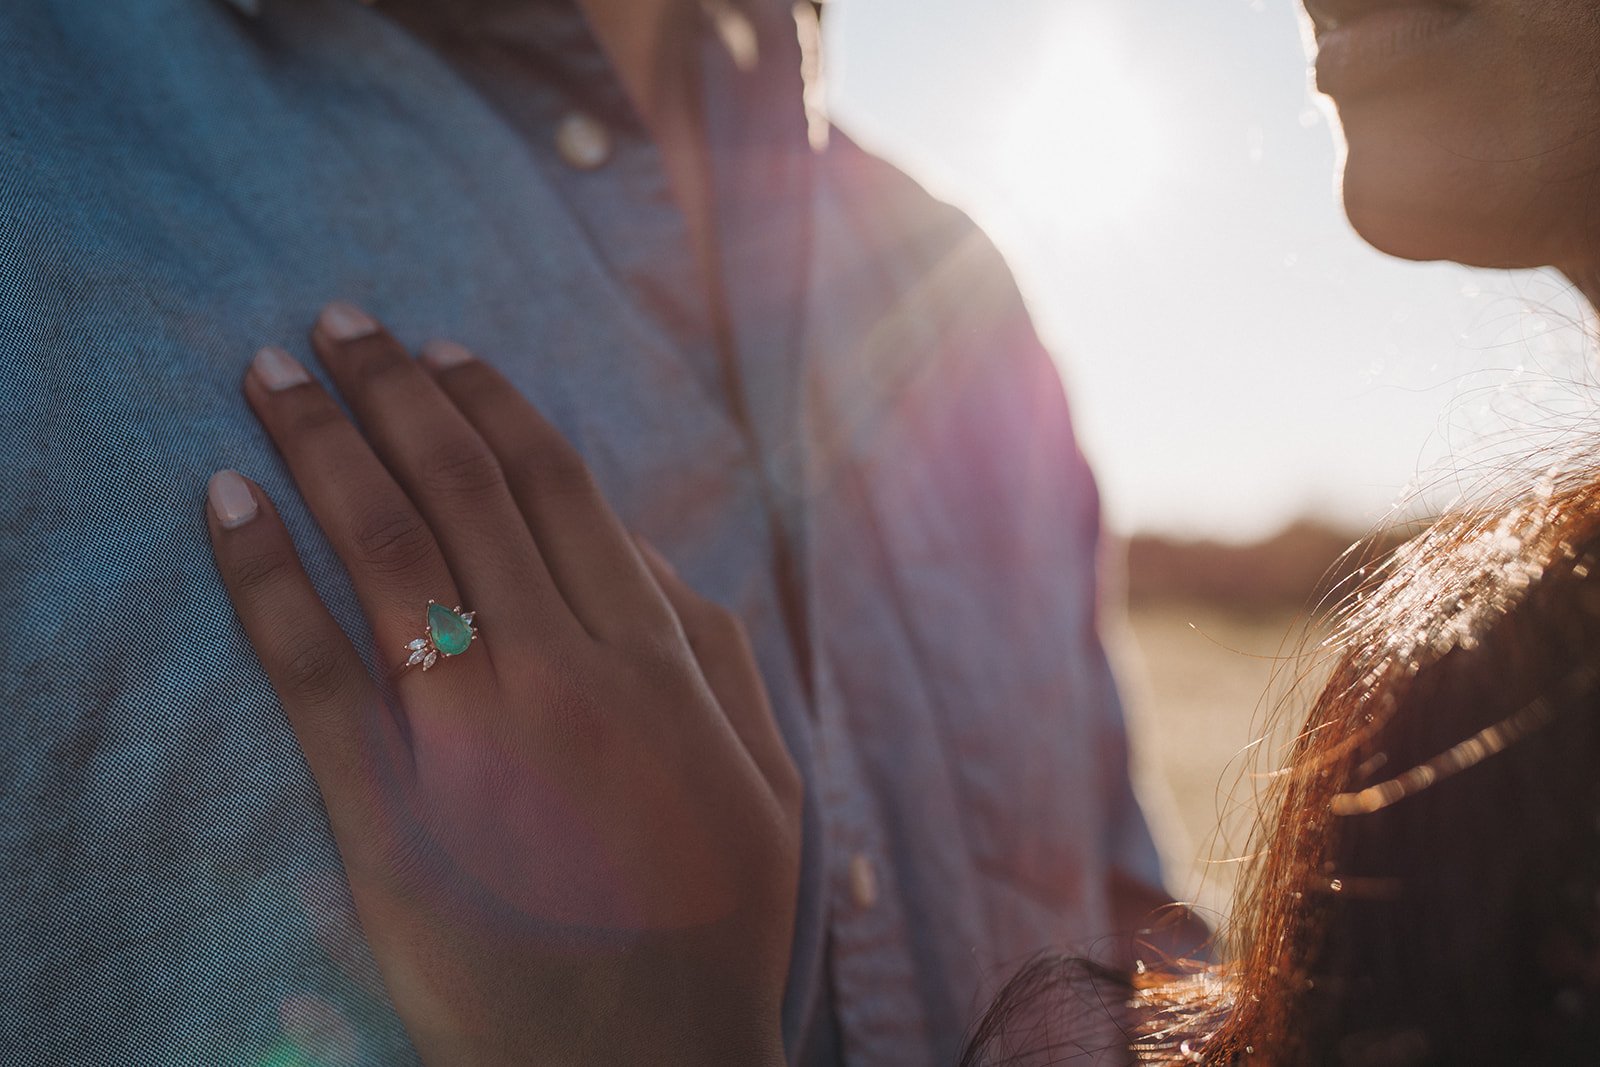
638 37
645 40
1485 149
576 842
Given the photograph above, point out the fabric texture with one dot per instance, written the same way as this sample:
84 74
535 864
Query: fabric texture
871 461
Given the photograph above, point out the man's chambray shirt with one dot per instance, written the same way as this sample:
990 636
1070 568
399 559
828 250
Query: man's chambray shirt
871 461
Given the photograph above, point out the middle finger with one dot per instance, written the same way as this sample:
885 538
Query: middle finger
446 468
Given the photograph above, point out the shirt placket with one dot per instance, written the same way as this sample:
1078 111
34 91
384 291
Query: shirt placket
764 167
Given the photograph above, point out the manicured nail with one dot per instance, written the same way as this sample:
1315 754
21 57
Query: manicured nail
278 370
345 322
441 354
231 499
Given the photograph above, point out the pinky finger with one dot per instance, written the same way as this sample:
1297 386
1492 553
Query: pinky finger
723 652
337 713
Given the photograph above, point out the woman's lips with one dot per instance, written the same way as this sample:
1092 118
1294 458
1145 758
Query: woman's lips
1361 45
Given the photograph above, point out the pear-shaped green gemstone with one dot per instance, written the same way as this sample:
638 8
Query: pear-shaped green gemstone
450 632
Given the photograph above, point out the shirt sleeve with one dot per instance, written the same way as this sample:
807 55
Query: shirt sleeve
943 405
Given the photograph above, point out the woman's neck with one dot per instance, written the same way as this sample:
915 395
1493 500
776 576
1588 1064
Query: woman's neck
643 39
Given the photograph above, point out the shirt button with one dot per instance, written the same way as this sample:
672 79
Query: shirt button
583 142
863 881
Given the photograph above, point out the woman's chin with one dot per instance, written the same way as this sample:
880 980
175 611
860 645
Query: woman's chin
1420 231
1468 125
1452 211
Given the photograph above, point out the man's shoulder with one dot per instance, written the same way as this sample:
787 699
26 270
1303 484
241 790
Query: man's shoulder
857 172
904 283
888 208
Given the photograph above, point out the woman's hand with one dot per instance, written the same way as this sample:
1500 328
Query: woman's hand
577 841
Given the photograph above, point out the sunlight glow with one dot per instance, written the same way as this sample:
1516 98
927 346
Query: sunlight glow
1084 147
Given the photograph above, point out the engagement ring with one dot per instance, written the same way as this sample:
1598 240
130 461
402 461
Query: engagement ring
450 633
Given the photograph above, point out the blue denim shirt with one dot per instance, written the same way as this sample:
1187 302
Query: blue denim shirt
872 462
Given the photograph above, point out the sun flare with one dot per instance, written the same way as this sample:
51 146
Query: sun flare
1084 143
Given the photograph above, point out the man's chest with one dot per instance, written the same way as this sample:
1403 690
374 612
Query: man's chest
155 236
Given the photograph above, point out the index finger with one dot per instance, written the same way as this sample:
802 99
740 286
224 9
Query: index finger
349 737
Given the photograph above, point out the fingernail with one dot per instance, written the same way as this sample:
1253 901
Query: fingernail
345 322
231 499
278 370
441 354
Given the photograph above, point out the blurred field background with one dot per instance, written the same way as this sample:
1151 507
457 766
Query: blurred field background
1207 649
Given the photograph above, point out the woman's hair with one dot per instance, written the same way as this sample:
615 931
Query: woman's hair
1425 871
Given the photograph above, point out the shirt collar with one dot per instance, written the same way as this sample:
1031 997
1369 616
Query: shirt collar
644 68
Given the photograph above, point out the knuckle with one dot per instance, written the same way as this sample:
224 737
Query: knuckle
314 672
408 862
556 469
460 468
658 661
259 571
478 388
577 715
726 628
717 630
314 417
562 685
380 367
575 711
392 540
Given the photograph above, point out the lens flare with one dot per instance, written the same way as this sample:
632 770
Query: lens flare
1085 145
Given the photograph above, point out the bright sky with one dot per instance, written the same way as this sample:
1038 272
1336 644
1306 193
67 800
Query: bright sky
1161 179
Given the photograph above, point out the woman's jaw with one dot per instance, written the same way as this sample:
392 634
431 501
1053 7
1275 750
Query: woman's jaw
1471 127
